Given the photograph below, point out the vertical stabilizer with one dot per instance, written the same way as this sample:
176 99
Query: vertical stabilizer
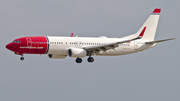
151 25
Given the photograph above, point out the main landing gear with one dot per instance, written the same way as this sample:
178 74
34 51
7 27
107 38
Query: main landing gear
78 60
90 60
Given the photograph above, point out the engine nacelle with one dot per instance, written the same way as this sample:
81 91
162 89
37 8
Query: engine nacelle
57 56
77 52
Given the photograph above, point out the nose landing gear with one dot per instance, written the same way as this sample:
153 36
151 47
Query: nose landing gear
22 58
17 53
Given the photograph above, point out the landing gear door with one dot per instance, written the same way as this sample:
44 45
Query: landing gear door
29 42
135 45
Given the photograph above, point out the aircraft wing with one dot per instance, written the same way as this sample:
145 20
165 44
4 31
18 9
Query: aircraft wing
106 46
112 45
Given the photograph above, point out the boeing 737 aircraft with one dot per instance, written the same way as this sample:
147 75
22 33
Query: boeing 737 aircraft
58 47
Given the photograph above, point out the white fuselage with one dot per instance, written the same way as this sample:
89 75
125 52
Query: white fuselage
60 45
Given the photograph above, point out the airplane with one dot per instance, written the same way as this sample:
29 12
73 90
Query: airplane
59 47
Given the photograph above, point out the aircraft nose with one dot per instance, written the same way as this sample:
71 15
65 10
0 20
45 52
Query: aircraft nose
9 46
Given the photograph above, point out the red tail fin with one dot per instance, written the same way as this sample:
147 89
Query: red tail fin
71 35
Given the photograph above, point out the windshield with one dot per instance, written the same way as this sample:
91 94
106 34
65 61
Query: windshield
16 41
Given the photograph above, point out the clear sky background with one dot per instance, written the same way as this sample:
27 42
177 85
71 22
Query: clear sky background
152 75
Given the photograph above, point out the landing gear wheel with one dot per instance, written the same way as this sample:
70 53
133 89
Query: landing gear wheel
78 60
22 58
90 59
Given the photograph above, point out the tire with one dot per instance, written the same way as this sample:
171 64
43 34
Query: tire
22 58
78 60
90 59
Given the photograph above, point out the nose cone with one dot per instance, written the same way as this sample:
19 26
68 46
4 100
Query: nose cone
9 46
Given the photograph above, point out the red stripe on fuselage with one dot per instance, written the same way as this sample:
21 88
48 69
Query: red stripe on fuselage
30 45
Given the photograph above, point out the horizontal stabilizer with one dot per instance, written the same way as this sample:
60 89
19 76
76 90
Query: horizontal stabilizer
152 42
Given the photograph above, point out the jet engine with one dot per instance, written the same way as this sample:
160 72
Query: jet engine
57 56
77 52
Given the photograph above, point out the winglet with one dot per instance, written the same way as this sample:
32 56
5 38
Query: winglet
142 33
71 35
157 11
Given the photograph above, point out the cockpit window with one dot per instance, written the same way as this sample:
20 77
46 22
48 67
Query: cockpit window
16 41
